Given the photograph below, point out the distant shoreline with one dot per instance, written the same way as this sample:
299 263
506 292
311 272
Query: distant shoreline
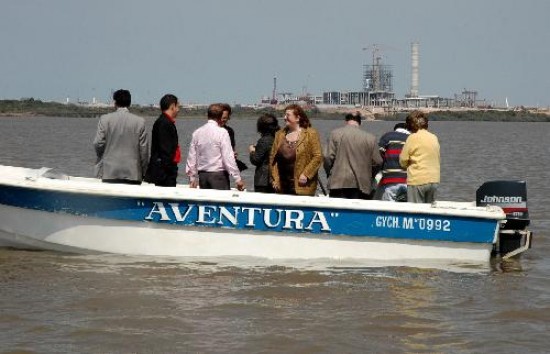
36 108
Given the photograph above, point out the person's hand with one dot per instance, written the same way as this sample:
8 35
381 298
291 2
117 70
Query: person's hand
193 184
251 148
240 185
276 187
302 181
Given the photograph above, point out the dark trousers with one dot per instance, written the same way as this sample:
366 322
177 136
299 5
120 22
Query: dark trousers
264 189
168 181
349 193
161 175
214 180
168 178
119 180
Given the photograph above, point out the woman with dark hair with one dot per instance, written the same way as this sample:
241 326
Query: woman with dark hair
266 126
296 155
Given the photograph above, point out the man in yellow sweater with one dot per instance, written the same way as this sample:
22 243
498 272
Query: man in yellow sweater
420 156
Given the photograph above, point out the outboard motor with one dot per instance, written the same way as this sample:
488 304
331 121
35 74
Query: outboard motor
511 196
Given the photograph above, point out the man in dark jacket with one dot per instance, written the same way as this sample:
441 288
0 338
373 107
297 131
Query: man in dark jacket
165 150
223 123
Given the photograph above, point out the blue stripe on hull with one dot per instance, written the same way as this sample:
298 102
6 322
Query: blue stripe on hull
355 223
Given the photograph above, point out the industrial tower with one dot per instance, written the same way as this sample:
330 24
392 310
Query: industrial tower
377 80
414 70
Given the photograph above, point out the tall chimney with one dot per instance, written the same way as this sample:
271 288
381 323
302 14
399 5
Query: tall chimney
414 66
274 93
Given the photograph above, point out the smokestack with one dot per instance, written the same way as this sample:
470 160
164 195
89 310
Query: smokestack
414 66
274 93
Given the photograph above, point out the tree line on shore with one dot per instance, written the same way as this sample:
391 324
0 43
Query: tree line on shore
33 107
477 115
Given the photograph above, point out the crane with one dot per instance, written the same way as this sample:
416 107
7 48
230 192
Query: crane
375 48
375 82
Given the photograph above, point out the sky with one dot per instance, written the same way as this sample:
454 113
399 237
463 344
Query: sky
230 50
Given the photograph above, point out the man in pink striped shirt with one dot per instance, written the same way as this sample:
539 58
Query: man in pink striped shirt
211 159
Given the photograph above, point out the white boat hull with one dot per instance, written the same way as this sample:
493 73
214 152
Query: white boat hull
68 233
44 210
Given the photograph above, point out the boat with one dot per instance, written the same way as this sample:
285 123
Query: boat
48 210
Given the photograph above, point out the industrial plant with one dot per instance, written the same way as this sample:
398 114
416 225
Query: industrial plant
378 90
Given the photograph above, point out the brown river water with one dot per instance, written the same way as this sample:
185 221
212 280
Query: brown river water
63 303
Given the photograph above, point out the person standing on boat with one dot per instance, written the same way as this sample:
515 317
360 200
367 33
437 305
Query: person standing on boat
393 183
121 144
296 155
165 149
223 123
421 157
350 156
211 159
266 126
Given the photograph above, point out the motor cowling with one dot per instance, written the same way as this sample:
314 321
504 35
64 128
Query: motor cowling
511 196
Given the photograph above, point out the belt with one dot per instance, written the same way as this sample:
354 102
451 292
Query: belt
225 172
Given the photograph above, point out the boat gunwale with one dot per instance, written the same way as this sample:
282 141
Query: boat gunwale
90 186
32 178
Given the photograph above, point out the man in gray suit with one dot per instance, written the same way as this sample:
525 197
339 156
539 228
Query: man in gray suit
349 159
121 144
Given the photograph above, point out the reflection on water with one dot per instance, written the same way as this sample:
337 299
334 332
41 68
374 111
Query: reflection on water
54 302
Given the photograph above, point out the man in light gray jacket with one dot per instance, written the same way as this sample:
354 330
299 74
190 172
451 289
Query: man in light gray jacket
349 159
121 144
